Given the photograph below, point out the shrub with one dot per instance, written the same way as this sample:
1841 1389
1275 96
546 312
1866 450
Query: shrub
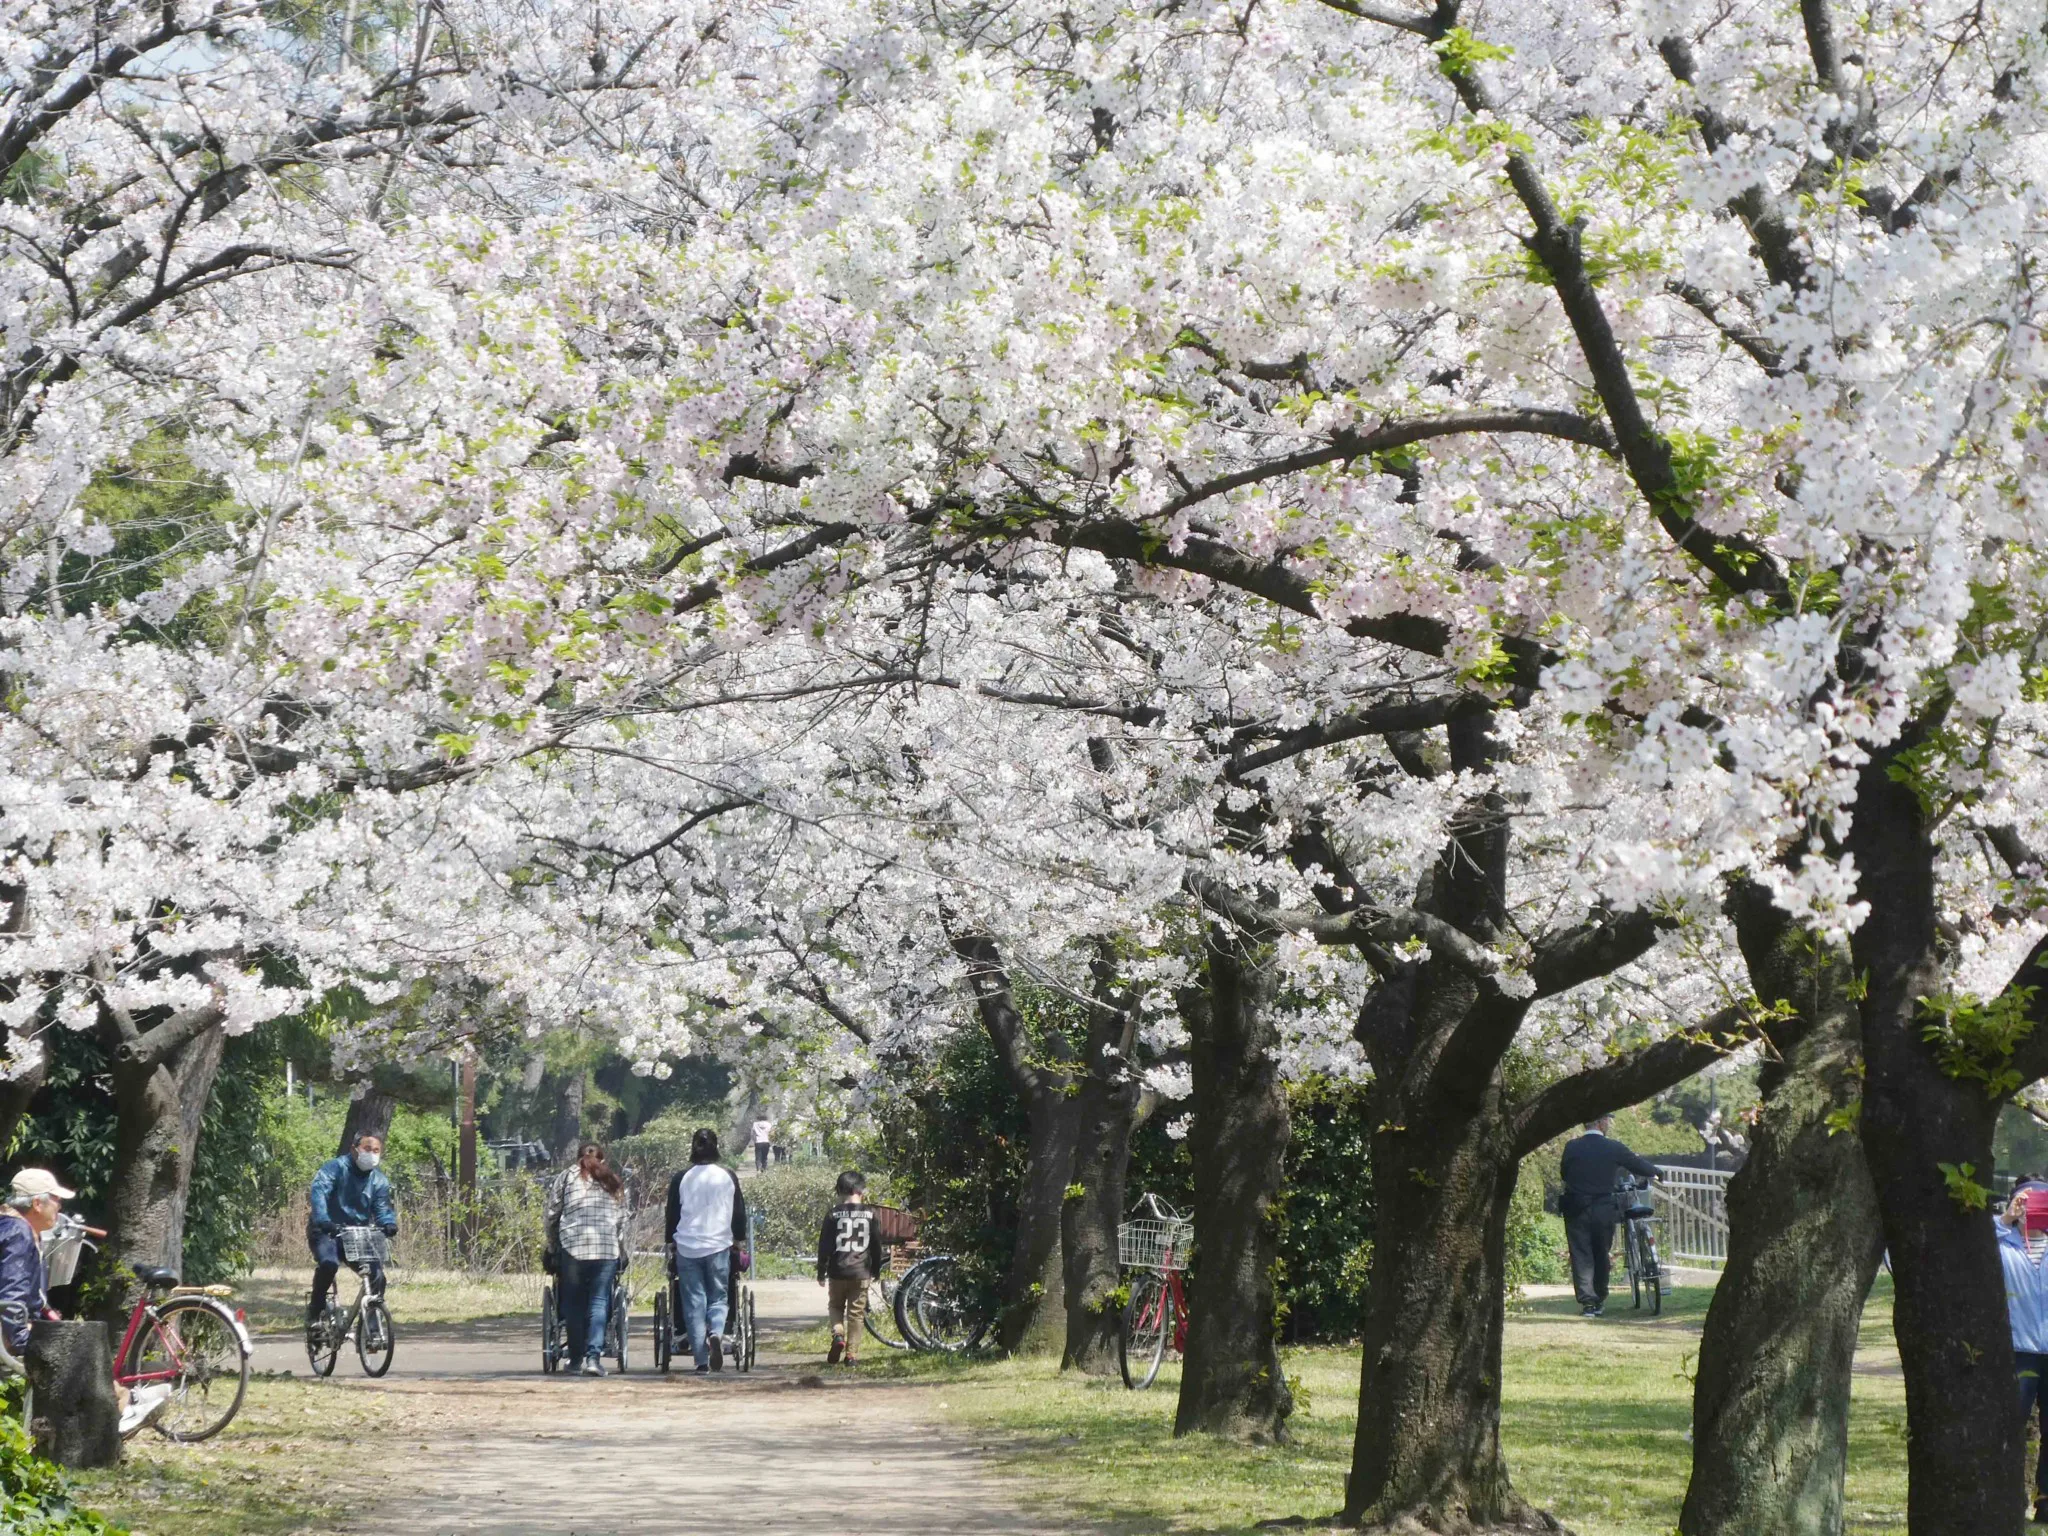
35 1496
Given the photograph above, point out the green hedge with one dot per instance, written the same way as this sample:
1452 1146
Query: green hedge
35 1496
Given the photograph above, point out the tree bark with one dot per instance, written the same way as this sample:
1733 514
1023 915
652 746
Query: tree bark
368 1115
160 1102
1106 1109
1429 1448
77 1420
1231 1380
1032 1303
1034 1293
1963 1436
1771 1400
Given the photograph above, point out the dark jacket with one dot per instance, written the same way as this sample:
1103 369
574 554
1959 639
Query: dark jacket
1590 1166
22 1281
345 1196
849 1245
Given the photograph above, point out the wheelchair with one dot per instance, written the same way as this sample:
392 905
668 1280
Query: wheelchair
741 1335
554 1328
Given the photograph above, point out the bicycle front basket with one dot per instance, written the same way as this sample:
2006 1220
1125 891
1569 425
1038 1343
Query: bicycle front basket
1154 1244
365 1245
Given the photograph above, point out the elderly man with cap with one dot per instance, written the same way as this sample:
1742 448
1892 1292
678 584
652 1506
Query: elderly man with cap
33 1205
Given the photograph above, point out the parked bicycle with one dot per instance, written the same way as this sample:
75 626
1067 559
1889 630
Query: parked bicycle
1155 1245
938 1309
1639 1244
191 1341
367 1318
897 1232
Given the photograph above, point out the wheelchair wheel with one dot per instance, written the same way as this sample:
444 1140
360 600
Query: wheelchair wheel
617 1325
743 1329
550 1332
664 1332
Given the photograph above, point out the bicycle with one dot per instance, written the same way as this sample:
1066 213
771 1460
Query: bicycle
368 1317
937 1310
554 1328
894 1229
1155 1317
1639 1244
193 1342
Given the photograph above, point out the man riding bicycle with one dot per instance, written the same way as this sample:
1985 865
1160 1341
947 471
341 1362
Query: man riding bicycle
348 1191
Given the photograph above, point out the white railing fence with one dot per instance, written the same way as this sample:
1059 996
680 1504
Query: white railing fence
1694 1205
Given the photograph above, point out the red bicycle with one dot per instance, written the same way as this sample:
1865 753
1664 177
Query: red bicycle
191 1341
1155 1245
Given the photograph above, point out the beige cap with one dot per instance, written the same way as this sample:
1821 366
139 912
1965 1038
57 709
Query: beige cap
40 1181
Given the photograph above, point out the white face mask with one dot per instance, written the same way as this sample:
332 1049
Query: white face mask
368 1160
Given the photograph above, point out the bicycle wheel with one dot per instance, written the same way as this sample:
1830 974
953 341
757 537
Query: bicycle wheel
550 1331
323 1341
949 1315
881 1314
664 1334
904 1308
376 1337
1653 1275
192 1345
1147 1326
1631 1256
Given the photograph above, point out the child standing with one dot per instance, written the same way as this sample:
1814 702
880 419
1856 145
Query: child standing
849 1256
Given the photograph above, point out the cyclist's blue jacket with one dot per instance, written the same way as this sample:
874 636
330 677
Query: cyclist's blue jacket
2026 1291
345 1196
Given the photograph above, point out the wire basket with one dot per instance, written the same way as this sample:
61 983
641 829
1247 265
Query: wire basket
365 1245
61 1250
1154 1244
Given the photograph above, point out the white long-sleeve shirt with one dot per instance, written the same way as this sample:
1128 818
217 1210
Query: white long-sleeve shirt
704 1211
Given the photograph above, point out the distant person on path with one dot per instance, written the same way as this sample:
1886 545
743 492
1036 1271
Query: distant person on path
849 1256
2026 1301
764 1143
586 1223
348 1191
1590 1166
706 1219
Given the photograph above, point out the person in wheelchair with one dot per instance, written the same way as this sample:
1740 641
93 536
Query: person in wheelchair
349 1191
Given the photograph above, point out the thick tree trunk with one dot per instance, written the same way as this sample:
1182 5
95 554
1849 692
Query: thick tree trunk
1428 1445
1032 1321
159 1105
1963 1435
1231 1381
1105 1112
369 1115
1771 1400
77 1420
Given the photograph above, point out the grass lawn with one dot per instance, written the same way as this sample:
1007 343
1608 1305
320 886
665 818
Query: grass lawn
275 1299
1594 1421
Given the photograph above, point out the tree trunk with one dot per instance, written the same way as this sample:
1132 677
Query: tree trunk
1771 1400
1231 1380
1963 1435
1428 1446
77 1420
368 1115
1033 1300
159 1106
1106 1110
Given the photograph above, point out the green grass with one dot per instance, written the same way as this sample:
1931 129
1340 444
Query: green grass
1594 1419
282 1467
275 1299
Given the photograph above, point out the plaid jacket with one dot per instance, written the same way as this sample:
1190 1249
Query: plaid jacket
587 1222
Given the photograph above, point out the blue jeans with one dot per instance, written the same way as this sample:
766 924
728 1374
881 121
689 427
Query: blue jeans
2033 1374
587 1304
327 1259
703 1284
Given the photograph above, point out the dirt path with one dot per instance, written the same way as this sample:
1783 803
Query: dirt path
480 1442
